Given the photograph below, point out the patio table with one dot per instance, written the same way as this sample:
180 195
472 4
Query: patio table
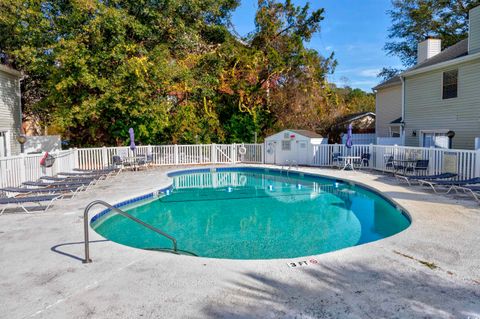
133 161
348 161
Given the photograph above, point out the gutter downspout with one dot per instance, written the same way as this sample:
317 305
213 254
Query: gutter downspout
403 109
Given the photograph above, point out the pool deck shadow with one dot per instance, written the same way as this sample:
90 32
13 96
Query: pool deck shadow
429 270
64 253
326 291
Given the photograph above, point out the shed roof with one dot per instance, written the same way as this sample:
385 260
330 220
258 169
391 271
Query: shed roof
307 133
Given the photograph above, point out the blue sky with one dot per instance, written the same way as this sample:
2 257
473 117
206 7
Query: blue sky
356 30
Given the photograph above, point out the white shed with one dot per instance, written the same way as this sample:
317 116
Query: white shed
291 145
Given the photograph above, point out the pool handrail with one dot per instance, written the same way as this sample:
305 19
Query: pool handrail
121 212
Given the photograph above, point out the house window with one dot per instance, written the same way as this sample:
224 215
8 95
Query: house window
286 145
3 144
436 140
450 84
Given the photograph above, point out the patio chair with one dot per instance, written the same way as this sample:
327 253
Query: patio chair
336 161
452 184
149 160
389 162
420 166
22 201
364 160
117 161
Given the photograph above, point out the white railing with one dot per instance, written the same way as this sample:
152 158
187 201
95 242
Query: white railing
14 170
466 163
95 158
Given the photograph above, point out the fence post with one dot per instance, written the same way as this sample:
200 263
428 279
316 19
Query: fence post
262 153
23 165
233 152
214 153
372 155
76 160
175 154
477 163
104 157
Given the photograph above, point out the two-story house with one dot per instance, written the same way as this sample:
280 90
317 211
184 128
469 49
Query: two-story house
10 111
437 102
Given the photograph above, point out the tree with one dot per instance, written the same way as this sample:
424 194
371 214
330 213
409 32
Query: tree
169 69
415 20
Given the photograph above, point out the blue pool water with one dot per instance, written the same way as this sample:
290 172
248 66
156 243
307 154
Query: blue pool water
257 214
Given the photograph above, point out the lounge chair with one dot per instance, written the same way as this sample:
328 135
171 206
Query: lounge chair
417 178
103 170
452 184
22 201
70 190
67 179
83 174
473 190
87 184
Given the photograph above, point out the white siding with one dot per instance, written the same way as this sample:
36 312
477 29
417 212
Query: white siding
388 108
10 109
426 110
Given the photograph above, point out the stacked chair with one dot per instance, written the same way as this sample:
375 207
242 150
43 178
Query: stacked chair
48 189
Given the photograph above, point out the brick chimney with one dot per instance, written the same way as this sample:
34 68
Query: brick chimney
428 49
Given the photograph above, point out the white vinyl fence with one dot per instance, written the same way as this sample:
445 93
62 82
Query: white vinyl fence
466 163
15 170
96 158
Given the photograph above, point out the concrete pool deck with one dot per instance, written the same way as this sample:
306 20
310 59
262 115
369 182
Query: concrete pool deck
430 270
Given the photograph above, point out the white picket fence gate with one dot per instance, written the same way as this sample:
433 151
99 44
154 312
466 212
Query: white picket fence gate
17 169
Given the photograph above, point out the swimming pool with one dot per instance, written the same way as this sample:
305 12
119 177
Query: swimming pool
255 213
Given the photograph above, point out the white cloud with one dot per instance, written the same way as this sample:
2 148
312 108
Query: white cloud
329 48
369 73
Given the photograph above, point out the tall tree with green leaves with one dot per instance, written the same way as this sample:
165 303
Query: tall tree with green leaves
171 69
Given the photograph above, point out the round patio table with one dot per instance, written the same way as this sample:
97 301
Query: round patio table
348 161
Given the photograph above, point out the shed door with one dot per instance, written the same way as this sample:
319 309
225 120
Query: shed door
270 152
302 152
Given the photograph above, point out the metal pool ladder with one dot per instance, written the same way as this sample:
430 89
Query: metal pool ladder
121 212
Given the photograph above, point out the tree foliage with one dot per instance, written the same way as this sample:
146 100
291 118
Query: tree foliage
415 20
168 68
